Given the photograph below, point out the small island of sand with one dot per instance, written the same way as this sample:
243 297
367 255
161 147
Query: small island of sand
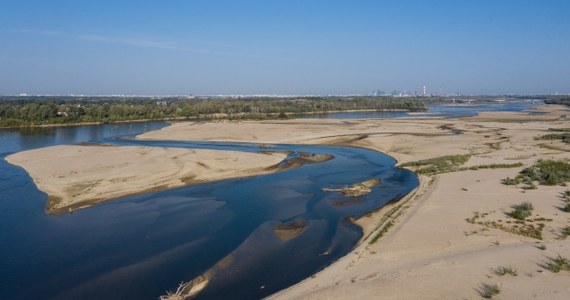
80 176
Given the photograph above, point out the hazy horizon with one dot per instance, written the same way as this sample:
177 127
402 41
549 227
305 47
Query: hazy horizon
284 47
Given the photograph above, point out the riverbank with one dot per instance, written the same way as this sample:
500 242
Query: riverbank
430 249
76 177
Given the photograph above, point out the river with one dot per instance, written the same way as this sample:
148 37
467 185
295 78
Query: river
138 247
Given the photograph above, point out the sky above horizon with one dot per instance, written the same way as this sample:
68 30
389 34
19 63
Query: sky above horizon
284 47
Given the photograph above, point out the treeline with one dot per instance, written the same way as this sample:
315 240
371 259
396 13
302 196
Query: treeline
19 111
563 101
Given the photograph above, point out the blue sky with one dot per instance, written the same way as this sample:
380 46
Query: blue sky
283 47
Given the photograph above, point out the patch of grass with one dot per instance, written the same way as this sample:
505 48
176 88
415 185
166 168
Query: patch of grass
522 211
500 166
559 129
547 172
558 264
487 291
563 137
508 270
510 181
493 166
517 227
382 232
553 147
437 165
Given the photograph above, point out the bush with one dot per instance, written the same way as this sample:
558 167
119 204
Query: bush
522 211
566 207
442 164
488 291
510 181
558 264
566 231
547 172
501 271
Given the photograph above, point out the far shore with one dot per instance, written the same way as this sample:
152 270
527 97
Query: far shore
200 118
95 123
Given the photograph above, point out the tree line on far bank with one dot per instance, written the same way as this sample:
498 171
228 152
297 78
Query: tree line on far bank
32 111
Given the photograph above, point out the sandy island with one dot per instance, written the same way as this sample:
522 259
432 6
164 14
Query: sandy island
80 176
430 250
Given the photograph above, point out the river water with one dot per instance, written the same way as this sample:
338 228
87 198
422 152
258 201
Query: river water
138 247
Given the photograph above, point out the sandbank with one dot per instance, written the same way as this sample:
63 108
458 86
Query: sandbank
80 176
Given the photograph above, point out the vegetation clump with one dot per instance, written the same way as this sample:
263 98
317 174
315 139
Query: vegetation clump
545 172
548 172
566 198
488 291
382 232
566 232
566 206
518 227
522 211
437 165
563 137
510 181
508 270
495 166
558 264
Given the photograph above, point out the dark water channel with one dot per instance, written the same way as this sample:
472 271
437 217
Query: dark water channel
140 246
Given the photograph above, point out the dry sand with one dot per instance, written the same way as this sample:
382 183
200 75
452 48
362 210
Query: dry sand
431 251
79 176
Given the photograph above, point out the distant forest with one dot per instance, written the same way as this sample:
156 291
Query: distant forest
563 101
32 111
